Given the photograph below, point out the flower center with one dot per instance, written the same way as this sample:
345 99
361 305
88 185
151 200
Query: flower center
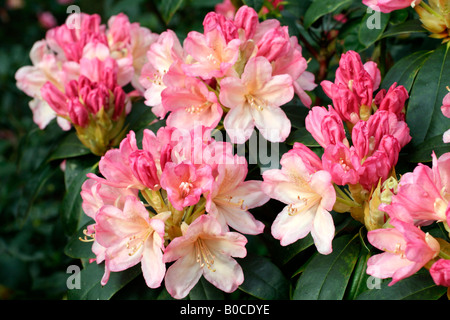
135 242
304 204
204 255
185 188
198 108
255 102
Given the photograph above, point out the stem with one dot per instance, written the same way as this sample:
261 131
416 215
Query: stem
444 255
429 9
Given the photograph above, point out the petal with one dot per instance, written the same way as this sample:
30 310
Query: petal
227 274
289 228
238 124
273 123
323 231
182 276
153 267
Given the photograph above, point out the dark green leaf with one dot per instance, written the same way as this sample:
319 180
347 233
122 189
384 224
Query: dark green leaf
409 26
319 8
73 215
69 147
255 4
424 150
263 279
78 249
405 70
168 8
358 282
417 287
204 290
372 27
91 288
303 136
326 277
424 115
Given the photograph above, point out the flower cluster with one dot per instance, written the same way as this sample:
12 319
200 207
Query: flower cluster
421 199
312 186
238 68
78 74
175 199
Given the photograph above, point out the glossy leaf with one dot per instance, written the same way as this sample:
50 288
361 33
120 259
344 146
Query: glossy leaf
78 249
263 279
417 287
372 27
204 290
319 8
424 115
69 147
168 8
91 288
424 150
326 277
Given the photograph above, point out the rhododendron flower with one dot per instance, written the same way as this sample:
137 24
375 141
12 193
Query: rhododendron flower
204 249
162 54
440 272
310 195
212 55
342 163
185 183
424 194
255 100
406 250
231 197
387 6
325 126
130 237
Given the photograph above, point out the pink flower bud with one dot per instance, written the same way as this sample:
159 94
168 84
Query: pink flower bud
55 98
394 101
340 161
246 18
325 126
144 169
274 43
387 6
78 113
440 272
119 102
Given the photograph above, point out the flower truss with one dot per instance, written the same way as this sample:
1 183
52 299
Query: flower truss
177 202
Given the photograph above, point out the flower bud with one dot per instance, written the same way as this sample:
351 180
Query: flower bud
144 169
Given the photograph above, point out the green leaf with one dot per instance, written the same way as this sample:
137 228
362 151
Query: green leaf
409 26
296 114
319 8
168 8
303 136
326 277
358 282
419 286
405 70
255 4
424 115
204 290
140 117
424 150
77 249
73 216
372 27
263 279
91 288
69 147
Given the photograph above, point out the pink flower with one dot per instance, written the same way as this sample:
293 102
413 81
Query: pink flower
255 99
387 6
204 249
310 196
342 163
162 54
424 193
393 100
213 56
440 272
325 126
115 166
130 237
225 8
185 183
231 197
406 250
191 105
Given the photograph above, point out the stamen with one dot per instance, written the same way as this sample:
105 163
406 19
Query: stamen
254 102
185 187
87 237
198 108
141 240
204 255
239 204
